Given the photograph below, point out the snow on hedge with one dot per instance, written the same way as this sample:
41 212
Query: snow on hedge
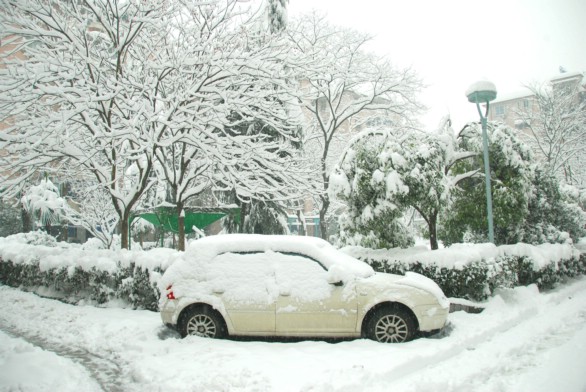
37 247
82 272
458 256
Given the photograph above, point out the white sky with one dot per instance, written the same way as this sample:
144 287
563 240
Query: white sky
454 43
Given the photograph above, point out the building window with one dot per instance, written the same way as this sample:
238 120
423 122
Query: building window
71 231
499 110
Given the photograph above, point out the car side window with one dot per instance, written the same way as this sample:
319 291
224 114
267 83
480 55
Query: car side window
242 276
301 277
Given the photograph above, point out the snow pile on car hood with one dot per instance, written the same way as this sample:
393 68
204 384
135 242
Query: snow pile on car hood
419 281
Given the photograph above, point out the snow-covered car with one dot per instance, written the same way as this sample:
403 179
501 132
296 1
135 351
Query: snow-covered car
289 286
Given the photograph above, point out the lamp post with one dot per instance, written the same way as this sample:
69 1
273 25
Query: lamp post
484 92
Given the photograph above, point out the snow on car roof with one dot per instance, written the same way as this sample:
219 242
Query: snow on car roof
316 248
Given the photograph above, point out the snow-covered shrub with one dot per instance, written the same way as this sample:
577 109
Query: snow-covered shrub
555 214
73 274
136 284
368 180
10 219
469 282
133 285
502 273
38 237
476 271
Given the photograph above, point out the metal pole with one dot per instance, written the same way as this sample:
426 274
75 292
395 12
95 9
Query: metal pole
487 176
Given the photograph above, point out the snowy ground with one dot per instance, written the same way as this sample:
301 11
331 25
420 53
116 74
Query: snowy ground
523 341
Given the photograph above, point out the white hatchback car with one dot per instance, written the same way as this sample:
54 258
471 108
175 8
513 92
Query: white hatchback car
289 286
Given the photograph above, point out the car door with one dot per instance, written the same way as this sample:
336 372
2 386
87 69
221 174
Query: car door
307 304
244 282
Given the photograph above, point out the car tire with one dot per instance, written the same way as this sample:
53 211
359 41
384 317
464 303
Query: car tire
202 321
390 325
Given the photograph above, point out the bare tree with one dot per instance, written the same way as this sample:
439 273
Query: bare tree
342 86
116 88
554 125
230 129
83 92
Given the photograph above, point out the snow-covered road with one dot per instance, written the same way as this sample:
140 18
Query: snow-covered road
523 341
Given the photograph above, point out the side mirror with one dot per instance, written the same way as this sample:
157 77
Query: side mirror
336 276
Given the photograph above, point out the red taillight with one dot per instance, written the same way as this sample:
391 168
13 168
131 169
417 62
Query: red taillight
170 294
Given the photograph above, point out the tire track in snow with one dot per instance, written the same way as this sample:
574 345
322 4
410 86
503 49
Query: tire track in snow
511 355
103 370
475 345
504 342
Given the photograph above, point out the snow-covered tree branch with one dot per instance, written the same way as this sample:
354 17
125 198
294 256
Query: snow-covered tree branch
114 89
554 125
342 88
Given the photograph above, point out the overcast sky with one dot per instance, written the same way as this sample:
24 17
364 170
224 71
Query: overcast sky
453 43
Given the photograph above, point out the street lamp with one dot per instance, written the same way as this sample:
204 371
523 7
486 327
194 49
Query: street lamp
484 92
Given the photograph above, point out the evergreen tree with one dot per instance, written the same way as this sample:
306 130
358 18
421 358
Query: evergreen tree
511 174
277 15
367 180
404 171
554 212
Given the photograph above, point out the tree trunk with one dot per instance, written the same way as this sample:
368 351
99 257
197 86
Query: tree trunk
124 232
323 227
180 227
433 231
26 221
244 212
301 219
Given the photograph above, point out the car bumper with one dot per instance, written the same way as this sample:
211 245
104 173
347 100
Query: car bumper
168 312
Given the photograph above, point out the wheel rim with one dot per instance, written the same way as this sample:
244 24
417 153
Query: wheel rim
391 329
201 325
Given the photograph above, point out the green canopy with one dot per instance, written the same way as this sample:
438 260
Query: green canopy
199 217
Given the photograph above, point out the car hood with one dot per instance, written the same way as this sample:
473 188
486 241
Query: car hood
410 279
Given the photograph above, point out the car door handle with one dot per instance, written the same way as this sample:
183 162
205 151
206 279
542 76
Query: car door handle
284 294
218 291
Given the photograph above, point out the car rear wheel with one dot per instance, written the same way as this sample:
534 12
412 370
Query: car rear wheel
390 325
203 322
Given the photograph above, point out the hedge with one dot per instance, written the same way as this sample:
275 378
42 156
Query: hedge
477 280
473 272
73 273
134 285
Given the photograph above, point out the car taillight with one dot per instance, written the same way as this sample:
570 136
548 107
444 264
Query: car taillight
170 294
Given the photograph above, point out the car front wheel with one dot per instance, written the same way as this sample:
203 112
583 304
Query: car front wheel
390 325
201 322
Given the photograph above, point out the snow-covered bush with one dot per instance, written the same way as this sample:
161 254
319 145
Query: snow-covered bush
38 237
476 271
10 219
74 274
555 214
368 180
